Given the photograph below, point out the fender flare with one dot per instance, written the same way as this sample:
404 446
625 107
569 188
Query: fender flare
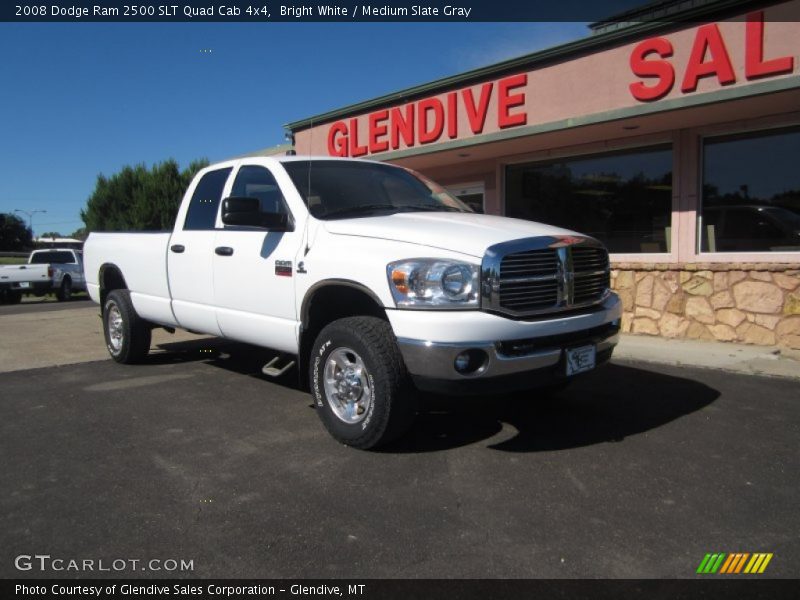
305 307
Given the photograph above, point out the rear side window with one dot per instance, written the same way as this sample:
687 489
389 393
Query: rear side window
202 213
257 182
55 257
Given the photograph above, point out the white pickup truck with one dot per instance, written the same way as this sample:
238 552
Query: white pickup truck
58 270
370 278
16 280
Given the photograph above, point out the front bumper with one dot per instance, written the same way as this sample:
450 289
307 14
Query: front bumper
521 353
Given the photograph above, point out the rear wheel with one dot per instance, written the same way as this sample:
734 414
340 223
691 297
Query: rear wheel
64 293
13 296
127 335
359 382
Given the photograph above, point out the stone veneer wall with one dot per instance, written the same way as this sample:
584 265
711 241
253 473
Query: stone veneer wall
748 303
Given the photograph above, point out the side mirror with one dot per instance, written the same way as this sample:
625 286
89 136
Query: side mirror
246 212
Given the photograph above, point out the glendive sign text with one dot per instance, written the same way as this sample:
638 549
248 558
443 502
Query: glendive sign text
503 103
432 119
709 57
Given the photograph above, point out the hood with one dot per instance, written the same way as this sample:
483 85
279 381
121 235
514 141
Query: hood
466 233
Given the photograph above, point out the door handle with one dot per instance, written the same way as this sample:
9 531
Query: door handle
224 250
177 248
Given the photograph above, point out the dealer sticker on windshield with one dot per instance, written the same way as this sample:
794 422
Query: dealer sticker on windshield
580 359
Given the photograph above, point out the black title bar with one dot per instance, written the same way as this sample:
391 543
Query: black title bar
395 589
258 11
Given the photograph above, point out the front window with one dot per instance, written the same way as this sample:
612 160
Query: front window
751 193
346 189
622 199
254 181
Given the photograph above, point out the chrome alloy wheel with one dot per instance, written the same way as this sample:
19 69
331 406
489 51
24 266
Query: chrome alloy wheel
115 329
347 385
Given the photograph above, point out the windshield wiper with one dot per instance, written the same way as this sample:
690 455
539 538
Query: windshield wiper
430 208
368 208
358 209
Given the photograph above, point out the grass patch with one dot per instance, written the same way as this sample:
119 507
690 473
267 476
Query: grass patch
13 260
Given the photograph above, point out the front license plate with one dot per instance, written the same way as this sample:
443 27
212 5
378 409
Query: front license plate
25 284
580 359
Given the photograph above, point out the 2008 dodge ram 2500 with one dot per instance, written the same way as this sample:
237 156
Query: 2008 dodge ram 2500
369 276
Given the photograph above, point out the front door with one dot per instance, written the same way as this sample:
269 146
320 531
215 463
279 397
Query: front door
254 270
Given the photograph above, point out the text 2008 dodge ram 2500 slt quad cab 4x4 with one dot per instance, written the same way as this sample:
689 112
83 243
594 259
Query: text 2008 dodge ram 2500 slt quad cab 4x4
371 277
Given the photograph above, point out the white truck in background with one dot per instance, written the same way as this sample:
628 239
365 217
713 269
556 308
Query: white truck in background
17 280
368 278
58 270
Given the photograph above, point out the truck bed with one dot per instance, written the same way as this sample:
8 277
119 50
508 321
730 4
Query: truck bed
142 257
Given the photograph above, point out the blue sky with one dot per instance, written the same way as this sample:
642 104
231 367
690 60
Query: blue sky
87 98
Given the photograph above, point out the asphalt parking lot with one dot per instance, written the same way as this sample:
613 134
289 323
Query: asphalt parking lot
32 304
635 471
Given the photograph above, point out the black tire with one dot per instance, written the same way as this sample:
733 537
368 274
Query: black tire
128 340
64 293
10 296
389 396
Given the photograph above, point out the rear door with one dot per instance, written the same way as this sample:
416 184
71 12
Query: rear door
190 255
254 270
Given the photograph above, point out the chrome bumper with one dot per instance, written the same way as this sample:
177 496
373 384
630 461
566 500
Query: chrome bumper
433 360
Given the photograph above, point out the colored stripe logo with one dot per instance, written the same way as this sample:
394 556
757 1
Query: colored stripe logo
734 563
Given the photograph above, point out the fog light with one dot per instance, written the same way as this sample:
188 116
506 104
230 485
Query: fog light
471 361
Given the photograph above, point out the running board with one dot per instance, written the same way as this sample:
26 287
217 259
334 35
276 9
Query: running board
272 370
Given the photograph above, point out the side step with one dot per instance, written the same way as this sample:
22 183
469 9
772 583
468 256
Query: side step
273 370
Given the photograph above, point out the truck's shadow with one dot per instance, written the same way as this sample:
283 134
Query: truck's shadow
608 405
231 356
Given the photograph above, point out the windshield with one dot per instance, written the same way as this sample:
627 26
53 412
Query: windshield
335 189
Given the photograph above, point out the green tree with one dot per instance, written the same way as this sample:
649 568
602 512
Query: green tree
14 234
51 234
79 234
139 198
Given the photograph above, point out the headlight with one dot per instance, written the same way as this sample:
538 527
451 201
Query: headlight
434 283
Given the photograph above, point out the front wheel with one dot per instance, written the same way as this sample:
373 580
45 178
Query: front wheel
127 335
359 382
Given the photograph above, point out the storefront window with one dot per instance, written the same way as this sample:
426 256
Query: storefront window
471 195
623 199
751 193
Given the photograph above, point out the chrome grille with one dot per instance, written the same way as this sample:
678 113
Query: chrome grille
542 275
592 275
529 280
